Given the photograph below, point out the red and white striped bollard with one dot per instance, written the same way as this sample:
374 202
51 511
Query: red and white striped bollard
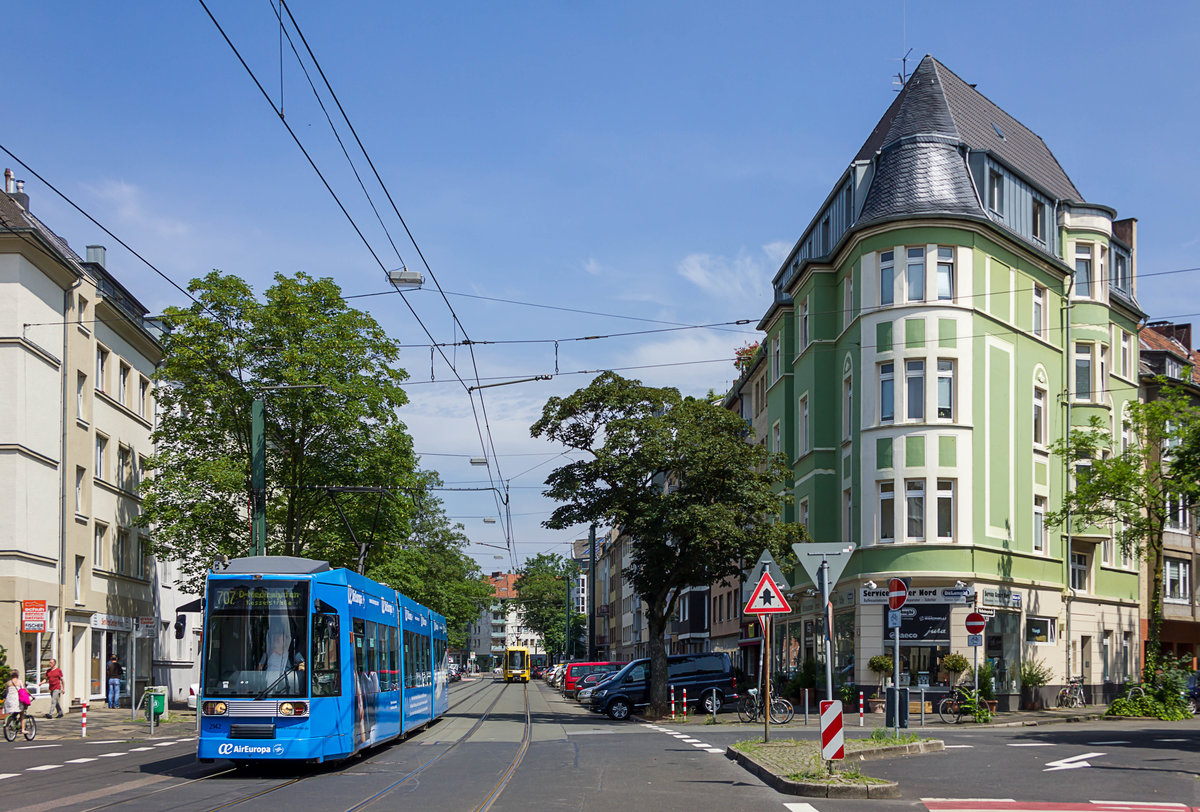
860 708
83 721
672 703
685 704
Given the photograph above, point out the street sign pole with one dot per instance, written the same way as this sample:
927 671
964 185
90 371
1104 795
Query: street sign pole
834 557
896 681
766 697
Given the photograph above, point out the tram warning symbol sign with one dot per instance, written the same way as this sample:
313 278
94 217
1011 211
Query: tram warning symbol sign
767 598
897 593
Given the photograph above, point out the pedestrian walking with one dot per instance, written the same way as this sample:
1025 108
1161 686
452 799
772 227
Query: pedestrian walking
54 678
14 699
114 672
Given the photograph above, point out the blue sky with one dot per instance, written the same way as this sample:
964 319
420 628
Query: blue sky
647 161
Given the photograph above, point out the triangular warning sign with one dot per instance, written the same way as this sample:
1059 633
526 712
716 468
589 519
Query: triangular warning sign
767 598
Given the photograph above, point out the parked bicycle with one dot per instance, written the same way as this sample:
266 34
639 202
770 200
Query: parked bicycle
12 727
962 702
750 708
1072 695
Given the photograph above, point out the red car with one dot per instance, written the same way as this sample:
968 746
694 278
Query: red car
575 671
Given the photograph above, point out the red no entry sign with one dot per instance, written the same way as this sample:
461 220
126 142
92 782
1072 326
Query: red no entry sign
897 593
975 623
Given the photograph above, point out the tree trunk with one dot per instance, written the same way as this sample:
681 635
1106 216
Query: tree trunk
656 625
1153 658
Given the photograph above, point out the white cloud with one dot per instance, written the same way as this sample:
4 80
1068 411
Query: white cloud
742 280
127 202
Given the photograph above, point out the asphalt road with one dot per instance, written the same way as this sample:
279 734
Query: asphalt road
568 759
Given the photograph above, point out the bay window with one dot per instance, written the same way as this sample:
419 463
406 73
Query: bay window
914 379
945 273
916 274
945 509
1083 270
945 389
887 393
887 511
887 278
1083 371
914 496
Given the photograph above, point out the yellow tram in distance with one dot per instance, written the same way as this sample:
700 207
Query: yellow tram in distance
516 664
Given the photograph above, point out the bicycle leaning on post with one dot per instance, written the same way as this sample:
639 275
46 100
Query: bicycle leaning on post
750 708
1072 695
962 702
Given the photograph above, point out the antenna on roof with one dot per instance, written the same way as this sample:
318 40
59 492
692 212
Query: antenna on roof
902 77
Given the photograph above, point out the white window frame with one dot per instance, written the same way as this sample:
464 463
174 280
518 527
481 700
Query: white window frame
914 389
847 406
847 514
776 438
945 499
1040 426
80 389
79 565
849 303
945 272
123 371
914 272
1084 351
803 512
101 453
1127 355
914 510
1051 631
887 511
946 373
1080 571
101 367
98 533
1177 580
996 191
776 360
80 477
1039 524
1084 286
804 324
804 424
887 392
144 397
1038 216
1039 311
887 278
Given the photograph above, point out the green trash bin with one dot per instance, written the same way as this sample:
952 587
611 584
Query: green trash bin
156 701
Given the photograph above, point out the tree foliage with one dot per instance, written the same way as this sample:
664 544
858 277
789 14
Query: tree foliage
1130 489
543 598
678 477
231 347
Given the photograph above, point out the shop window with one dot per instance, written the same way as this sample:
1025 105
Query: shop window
1040 630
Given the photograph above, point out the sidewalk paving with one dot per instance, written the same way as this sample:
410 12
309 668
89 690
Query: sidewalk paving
870 721
108 723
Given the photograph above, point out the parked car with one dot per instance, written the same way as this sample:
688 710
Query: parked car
707 677
575 671
590 681
1191 693
193 694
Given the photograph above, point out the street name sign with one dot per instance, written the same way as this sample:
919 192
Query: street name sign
897 594
767 598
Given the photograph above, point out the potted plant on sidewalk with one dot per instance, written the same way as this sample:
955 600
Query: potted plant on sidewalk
880 664
1034 675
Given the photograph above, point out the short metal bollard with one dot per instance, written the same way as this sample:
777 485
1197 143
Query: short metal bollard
806 706
922 707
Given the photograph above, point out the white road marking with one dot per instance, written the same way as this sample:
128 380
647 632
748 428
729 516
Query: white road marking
997 800
1072 763
181 741
79 760
140 749
800 807
702 745
8 775
1170 740
36 746
958 746
714 750
1138 803
108 741
1032 744
112 755
689 740
44 767
164 744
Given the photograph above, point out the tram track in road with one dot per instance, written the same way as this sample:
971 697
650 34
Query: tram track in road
516 762
465 737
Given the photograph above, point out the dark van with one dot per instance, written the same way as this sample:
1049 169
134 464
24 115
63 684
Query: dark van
708 678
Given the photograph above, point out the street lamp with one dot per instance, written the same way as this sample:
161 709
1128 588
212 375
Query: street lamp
404 279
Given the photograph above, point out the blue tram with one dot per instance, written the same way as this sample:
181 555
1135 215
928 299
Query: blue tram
304 662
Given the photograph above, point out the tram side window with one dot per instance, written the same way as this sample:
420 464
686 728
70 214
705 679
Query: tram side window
427 665
394 657
326 664
410 667
372 683
360 651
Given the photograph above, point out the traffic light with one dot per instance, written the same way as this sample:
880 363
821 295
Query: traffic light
180 626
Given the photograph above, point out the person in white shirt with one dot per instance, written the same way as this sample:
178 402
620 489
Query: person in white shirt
278 660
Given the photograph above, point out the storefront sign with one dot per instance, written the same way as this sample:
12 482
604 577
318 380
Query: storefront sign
145 627
922 624
112 623
1002 597
919 595
33 616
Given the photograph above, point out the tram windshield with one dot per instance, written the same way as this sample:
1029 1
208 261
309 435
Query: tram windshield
256 639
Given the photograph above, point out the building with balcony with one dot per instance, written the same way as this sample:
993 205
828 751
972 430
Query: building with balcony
954 305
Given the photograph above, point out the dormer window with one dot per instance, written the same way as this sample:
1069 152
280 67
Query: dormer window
1039 221
996 192
1174 368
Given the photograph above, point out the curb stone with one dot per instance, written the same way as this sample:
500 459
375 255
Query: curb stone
811 789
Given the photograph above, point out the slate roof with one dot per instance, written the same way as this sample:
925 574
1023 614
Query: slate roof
14 218
935 113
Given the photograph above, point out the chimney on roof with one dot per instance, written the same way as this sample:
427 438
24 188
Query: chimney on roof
8 182
16 190
1180 332
97 254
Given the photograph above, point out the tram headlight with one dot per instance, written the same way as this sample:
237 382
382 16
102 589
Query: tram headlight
293 709
286 709
215 708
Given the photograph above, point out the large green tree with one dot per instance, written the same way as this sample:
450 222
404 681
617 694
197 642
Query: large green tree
231 347
678 476
543 599
1130 484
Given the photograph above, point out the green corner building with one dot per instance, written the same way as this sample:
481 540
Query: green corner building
951 309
